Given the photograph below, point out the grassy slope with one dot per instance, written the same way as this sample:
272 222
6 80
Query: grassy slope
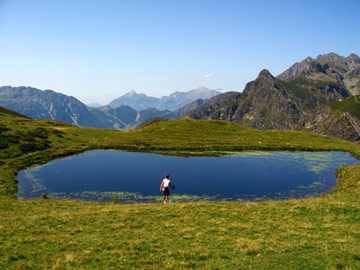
314 233
6 114
350 105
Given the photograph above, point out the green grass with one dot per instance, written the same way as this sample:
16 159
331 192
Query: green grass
350 105
312 233
6 114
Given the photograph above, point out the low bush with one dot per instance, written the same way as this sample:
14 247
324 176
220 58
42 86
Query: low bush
29 147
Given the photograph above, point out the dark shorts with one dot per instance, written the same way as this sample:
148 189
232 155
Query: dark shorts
166 191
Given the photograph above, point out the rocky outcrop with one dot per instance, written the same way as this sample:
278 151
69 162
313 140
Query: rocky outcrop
339 119
220 107
352 81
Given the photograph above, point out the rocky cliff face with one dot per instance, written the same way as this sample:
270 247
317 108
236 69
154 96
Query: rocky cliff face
295 69
220 107
352 81
267 104
338 119
270 103
330 67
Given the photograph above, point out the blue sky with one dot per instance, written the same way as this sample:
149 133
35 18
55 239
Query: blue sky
99 50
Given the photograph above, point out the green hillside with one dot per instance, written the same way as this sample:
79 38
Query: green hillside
350 105
6 114
312 233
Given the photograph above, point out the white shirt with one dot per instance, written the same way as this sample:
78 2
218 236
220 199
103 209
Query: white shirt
166 183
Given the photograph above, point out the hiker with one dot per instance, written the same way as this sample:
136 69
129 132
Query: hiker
165 187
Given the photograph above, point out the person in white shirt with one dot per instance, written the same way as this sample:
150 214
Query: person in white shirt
165 187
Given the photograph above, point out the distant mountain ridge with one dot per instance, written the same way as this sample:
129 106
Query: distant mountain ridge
94 104
172 102
136 101
45 104
48 104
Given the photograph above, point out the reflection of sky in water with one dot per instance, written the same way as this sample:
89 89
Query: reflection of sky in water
129 176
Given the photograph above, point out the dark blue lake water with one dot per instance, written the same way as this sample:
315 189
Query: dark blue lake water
129 177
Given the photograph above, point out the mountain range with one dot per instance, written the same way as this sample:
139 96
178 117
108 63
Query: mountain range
172 102
330 67
297 96
318 95
48 104
45 104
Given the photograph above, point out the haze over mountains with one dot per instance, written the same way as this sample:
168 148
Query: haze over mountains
172 102
48 104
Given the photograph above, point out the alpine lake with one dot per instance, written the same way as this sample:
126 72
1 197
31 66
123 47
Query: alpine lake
128 177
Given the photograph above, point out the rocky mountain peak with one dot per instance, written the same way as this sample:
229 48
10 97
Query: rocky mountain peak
202 88
295 69
133 93
353 56
353 61
330 57
335 60
265 74
339 65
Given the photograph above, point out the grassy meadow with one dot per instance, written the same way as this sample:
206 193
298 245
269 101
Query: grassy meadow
313 233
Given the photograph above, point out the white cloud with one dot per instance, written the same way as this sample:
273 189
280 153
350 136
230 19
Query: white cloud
209 75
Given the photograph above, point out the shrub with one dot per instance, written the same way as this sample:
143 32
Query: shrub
3 128
39 133
3 145
44 196
29 147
